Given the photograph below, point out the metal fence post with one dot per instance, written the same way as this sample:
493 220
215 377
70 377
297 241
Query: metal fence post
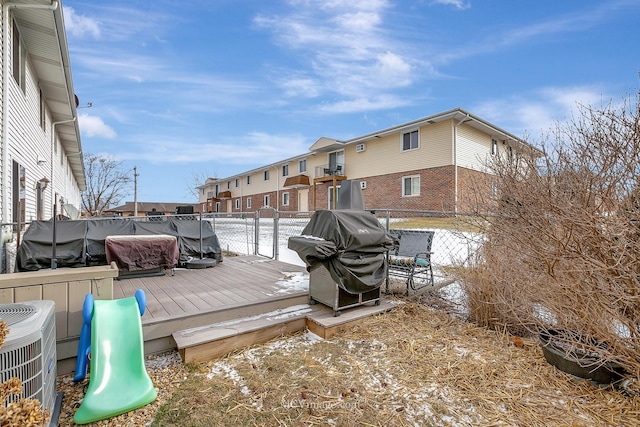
256 232
276 233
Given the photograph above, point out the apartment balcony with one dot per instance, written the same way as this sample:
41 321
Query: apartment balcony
224 195
297 181
331 171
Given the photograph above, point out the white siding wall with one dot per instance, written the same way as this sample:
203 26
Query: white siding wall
27 140
28 143
474 147
4 186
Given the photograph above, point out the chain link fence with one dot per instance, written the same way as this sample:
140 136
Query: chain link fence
266 232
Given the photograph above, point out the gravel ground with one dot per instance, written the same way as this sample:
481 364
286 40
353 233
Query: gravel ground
167 373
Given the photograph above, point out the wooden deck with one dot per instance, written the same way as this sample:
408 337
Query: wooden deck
237 281
238 287
243 289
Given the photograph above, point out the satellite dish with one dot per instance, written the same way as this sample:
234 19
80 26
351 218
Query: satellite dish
72 211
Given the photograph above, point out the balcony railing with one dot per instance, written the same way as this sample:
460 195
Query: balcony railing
330 170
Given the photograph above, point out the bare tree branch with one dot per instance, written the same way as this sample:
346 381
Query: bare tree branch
562 242
107 184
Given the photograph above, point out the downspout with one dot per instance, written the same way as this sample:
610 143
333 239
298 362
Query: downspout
53 142
455 163
5 95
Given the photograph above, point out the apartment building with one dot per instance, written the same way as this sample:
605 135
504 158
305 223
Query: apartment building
425 164
41 154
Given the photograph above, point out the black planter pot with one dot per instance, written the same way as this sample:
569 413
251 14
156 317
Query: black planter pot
578 363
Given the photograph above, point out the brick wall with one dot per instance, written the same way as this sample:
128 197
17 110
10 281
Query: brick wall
385 192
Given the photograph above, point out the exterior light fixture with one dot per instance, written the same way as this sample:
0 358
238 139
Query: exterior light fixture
43 183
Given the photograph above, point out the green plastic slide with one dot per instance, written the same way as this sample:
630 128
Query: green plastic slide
118 381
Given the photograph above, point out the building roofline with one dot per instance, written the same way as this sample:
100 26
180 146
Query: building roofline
455 113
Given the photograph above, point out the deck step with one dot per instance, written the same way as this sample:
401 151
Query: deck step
325 325
212 341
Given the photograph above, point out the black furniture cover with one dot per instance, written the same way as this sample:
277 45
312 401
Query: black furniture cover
351 244
80 243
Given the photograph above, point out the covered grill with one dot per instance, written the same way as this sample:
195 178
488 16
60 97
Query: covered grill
344 251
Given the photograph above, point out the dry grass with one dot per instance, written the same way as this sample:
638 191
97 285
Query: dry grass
412 366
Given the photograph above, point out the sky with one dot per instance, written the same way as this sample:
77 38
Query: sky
212 88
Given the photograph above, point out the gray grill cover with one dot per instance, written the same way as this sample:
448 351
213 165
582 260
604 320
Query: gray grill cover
351 244
81 243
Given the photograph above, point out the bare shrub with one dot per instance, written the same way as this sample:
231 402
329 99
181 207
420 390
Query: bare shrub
562 240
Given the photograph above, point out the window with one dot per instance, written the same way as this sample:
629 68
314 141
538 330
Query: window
19 193
43 111
494 147
19 58
267 200
336 162
237 202
237 183
248 202
228 185
266 175
302 165
217 190
285 170
285 199
510 153
210 194
411 185
248 179
410 141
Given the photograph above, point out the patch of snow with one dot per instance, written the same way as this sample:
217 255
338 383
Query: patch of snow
222 368
292 282
542 313
163 361
621 330
307 236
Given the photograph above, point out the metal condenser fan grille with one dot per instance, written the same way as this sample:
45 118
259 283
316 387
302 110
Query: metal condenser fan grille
14 313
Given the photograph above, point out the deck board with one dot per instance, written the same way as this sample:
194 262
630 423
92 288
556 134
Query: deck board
237 281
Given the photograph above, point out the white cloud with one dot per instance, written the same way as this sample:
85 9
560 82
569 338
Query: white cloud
254 148
80 25
299 86
345 49
382 102
393 69
93 126
458 4
537 112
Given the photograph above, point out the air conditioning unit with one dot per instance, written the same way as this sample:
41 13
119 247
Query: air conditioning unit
363 184
360 148
29 350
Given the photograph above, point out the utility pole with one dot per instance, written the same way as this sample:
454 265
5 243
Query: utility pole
135 191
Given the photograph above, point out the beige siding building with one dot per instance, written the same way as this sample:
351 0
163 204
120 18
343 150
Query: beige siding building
425 164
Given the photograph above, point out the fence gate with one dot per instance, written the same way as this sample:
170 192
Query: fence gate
266 230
